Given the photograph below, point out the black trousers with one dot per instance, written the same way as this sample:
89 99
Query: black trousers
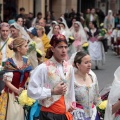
51 116
105 45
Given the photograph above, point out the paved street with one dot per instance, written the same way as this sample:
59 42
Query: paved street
106 74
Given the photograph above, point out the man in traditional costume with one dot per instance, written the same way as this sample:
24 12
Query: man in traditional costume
5 52
52 83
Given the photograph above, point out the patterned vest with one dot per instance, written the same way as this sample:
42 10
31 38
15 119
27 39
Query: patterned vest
54 78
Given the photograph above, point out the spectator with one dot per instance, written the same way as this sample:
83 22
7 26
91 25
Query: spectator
92 17
101 15
42 22
36 20
22 12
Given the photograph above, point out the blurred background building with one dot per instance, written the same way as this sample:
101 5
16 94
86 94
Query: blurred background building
10 8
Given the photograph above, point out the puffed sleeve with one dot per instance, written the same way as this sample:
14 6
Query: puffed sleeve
36 89
8 76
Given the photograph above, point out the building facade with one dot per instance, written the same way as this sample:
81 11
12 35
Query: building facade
9 8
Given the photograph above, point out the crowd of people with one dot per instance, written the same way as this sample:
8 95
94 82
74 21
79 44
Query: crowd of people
46 57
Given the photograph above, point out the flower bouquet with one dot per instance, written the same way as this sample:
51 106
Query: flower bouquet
101 108
26 102
39 53
103 31
32 46
85 46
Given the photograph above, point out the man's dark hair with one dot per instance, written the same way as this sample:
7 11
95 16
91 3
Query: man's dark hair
39 13
22 9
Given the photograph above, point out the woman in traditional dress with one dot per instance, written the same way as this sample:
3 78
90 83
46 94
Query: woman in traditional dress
72 22
113 107
95 49
50 34
79 35
54 31
65 30
17 71
19 31
86 89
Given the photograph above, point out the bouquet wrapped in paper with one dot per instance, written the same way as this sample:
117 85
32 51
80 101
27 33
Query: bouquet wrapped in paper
26 102
35 56
103 31
101 108
32 46
85 46
71 40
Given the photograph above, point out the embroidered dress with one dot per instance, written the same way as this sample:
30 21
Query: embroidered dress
45 77
9 108
87 97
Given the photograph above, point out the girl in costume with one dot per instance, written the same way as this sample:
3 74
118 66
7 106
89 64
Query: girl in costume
95 49
17 70
86 89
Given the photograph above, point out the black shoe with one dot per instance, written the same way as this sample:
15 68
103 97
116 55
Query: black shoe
96 67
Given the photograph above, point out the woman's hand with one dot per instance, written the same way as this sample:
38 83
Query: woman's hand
20 90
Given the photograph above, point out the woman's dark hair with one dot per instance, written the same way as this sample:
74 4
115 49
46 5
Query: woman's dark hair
78 57
94 23
62 24
60 19
18 18
12 26
39 13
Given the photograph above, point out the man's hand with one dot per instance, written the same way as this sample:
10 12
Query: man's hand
59 89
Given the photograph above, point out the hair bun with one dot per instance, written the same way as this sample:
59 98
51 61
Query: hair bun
11 46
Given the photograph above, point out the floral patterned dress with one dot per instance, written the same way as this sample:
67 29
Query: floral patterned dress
86 99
